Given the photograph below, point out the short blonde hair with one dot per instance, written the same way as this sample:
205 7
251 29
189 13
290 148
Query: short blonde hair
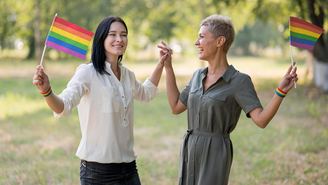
220 26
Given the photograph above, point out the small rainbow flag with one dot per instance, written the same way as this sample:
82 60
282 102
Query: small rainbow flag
303 34
69 38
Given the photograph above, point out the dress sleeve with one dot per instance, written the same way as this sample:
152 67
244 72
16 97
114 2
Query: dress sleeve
144 92
246 96
185 92
77 87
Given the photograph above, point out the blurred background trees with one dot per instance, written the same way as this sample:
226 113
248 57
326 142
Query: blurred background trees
262 26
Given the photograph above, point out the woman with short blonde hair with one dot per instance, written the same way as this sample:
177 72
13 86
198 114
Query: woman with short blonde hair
214 98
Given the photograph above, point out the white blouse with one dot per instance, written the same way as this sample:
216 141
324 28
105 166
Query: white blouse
105 107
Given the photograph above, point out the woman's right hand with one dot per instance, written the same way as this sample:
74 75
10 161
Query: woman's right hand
41 80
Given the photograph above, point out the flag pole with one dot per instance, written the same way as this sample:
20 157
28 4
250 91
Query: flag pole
45 46
44 49
291 55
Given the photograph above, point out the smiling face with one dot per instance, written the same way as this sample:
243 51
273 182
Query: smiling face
116 40
207 45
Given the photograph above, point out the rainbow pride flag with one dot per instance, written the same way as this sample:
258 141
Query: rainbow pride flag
303 34
69 38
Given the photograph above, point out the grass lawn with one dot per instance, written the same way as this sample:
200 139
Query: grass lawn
36 148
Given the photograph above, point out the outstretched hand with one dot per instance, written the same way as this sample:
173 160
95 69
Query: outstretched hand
41 80
289 79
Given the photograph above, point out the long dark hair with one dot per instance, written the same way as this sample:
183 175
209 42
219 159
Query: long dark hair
98 56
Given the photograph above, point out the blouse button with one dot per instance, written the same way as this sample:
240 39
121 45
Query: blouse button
123 119
122 96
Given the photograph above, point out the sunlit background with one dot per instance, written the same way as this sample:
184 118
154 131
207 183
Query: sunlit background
262 27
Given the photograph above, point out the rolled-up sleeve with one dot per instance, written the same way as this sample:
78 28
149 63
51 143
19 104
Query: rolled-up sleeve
144 92
247 98
183 97
76 89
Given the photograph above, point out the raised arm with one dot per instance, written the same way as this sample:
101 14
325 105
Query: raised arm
172 90
262 117
41 81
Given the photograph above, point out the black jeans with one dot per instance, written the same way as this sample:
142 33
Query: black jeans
109 174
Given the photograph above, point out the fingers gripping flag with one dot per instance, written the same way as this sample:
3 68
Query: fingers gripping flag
69 38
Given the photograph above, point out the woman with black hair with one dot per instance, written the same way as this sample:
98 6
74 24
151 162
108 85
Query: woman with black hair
104 91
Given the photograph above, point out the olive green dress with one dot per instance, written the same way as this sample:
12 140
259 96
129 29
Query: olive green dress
206 151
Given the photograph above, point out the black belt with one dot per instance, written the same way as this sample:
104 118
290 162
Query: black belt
184 149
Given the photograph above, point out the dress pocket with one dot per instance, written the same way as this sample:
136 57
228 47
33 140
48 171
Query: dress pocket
193 99
110 100
216 104
220 97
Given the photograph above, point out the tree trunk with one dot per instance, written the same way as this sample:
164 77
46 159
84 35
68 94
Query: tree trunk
320 50
31 46
320 74
300 4
37 31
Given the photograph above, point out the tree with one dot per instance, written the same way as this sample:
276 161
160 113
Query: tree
7 22
313 11
37 30
320 50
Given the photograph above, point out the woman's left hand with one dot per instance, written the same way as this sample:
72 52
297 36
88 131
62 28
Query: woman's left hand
289 79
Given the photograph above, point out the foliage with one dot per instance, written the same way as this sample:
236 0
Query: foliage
272 37
150 21
7 22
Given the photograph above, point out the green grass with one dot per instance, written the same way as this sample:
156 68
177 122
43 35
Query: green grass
36 148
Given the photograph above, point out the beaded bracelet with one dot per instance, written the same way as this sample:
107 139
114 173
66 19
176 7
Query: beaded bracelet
47 93
280 93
